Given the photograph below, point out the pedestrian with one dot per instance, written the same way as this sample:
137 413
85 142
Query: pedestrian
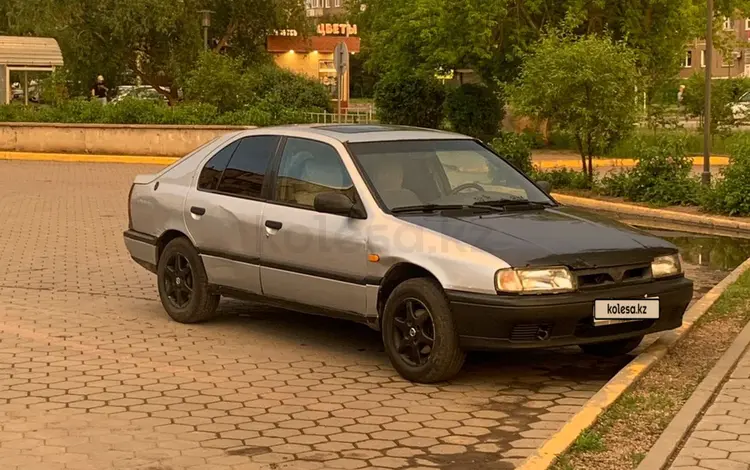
99 90
680 94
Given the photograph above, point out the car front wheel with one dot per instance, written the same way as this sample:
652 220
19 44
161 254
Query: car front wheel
183 284
418 332
612 348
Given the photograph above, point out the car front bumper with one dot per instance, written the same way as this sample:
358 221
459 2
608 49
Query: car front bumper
487 322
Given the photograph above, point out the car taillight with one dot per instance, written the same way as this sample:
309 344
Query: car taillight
130 213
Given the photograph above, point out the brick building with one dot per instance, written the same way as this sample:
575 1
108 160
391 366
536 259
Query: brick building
737 63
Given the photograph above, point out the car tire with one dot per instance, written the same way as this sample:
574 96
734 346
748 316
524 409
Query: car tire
444 357
612 348
183 284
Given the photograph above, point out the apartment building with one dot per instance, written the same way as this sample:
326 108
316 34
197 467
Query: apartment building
324 8
736 63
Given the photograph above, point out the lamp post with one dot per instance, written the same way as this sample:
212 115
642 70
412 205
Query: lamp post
706 175
205 23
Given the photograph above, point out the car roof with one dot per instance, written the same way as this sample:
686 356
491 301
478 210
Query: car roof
372 132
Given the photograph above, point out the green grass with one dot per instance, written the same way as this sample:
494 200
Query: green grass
657 396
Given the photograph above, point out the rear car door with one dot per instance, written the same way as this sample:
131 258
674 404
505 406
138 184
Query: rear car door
310 257
224 207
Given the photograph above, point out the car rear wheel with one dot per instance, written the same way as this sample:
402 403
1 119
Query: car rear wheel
612 348
418 332
183 284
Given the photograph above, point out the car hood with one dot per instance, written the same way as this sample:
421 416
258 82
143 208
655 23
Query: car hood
548 237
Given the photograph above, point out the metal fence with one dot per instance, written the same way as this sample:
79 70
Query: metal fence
348 117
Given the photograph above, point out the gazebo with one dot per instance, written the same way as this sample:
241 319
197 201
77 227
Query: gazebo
26 54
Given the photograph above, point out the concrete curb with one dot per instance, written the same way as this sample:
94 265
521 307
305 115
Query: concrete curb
558 443
614 162
700 220
672 438
70 157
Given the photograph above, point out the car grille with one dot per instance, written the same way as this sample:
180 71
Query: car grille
531 332
612 276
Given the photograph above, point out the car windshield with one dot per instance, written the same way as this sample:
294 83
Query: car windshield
435 173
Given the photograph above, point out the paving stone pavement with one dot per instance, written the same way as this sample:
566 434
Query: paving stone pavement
93 375
721 439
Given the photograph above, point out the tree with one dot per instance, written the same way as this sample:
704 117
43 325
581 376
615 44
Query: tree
493 36
410 100
475 110
722 97
158 41
585 85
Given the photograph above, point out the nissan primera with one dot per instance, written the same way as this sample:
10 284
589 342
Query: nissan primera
426 236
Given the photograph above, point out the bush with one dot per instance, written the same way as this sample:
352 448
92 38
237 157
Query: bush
410 100
661 176
218 80
515 148
230 85
474 110
274 86
563 178
729 194
134 111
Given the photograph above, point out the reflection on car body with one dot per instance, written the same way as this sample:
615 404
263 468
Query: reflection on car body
426 236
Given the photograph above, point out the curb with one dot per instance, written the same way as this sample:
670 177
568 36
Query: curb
716 160
702 220
558 443
86 158
615 162
672 438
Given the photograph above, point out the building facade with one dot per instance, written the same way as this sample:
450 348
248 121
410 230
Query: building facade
736 63
313 55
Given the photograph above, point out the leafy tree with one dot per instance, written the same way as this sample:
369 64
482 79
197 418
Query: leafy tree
158 41
493 36
722 96
411 100
474 110
586 86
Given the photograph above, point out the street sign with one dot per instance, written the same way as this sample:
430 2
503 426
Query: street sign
341 57
341 62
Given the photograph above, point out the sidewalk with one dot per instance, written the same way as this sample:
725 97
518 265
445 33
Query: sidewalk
721 439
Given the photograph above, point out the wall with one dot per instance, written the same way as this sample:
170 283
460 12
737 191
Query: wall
108 139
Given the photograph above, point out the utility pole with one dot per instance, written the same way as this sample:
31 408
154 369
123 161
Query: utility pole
706 175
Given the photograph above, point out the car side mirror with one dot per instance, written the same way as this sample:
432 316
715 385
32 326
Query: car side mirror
544 186
337 204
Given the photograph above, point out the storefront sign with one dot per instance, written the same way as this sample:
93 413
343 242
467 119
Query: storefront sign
285 32
337 29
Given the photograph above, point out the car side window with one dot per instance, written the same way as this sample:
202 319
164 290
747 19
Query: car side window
211 173
247 168
309 168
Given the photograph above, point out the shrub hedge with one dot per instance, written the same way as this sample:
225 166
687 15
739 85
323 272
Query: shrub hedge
134 111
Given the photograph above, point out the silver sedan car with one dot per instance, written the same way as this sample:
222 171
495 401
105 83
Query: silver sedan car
426 236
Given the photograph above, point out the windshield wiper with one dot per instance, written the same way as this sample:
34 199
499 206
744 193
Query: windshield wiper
513 202
440 207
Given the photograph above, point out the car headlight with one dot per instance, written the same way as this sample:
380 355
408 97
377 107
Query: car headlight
524 281
669 265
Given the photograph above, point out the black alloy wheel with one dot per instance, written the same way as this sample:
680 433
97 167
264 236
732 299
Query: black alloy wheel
178 280
419 335
183 283
414 332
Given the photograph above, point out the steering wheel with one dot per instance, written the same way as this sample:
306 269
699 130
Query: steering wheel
461 187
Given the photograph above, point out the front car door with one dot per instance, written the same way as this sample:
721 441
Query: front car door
309 257
223 211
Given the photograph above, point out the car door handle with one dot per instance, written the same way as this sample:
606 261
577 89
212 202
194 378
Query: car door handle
198 210
274 225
